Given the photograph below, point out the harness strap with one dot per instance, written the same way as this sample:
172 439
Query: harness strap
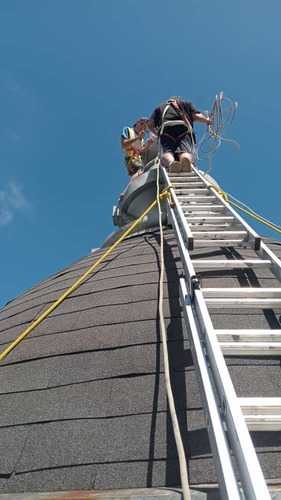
131 148
173 138
173 122
184 120
183 115
132 151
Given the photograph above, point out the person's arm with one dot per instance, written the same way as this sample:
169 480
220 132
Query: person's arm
147 146
199 117
151 126
126 143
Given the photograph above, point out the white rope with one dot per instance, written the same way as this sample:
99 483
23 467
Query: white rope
178 439
223 113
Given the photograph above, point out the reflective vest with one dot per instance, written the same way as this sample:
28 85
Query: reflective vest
133 153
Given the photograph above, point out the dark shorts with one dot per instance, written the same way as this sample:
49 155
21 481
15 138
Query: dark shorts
182 145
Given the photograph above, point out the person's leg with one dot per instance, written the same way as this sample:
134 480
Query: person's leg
139 172
170 163
185 161
167 159
185 150
166 152
185 155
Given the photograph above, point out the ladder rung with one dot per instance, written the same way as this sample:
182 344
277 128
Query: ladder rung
263 423
251 348
266 298
211 227
248 335
244 302
219 243
196 208
178 178
245 292
262 414
195 199
230 264
182 174
255 406
189 184
210 218
219 234
189 191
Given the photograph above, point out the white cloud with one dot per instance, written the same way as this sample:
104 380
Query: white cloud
5 216
11 200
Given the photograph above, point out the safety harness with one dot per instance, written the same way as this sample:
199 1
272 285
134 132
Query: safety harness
184 121
133 153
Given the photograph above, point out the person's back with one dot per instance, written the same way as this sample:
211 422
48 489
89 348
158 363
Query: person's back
173 122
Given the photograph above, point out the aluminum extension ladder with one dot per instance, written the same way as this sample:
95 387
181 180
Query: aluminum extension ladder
202 218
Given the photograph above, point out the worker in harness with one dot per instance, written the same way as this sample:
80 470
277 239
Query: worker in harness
173 121
132 142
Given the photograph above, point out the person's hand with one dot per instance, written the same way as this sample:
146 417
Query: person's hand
141 134
210 121
149 142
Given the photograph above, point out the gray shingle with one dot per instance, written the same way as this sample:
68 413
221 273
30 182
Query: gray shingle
57 444
26 376
62 479
23 318
61 403
149 473
67 342
12 443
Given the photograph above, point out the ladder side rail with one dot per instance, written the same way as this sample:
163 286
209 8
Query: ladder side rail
186 231
248 479
251 475
228 483
253 482
218 440
253 238
186 261
266 253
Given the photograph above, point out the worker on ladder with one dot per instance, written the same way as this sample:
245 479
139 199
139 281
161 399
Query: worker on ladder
132 142
173 121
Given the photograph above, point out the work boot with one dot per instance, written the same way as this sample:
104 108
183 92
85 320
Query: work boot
185 164
174 167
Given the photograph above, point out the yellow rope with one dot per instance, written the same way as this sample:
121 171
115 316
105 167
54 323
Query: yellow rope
165 194
257 217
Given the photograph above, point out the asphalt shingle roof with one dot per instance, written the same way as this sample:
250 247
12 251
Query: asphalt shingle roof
83 396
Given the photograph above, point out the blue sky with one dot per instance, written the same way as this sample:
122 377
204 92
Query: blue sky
74 72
